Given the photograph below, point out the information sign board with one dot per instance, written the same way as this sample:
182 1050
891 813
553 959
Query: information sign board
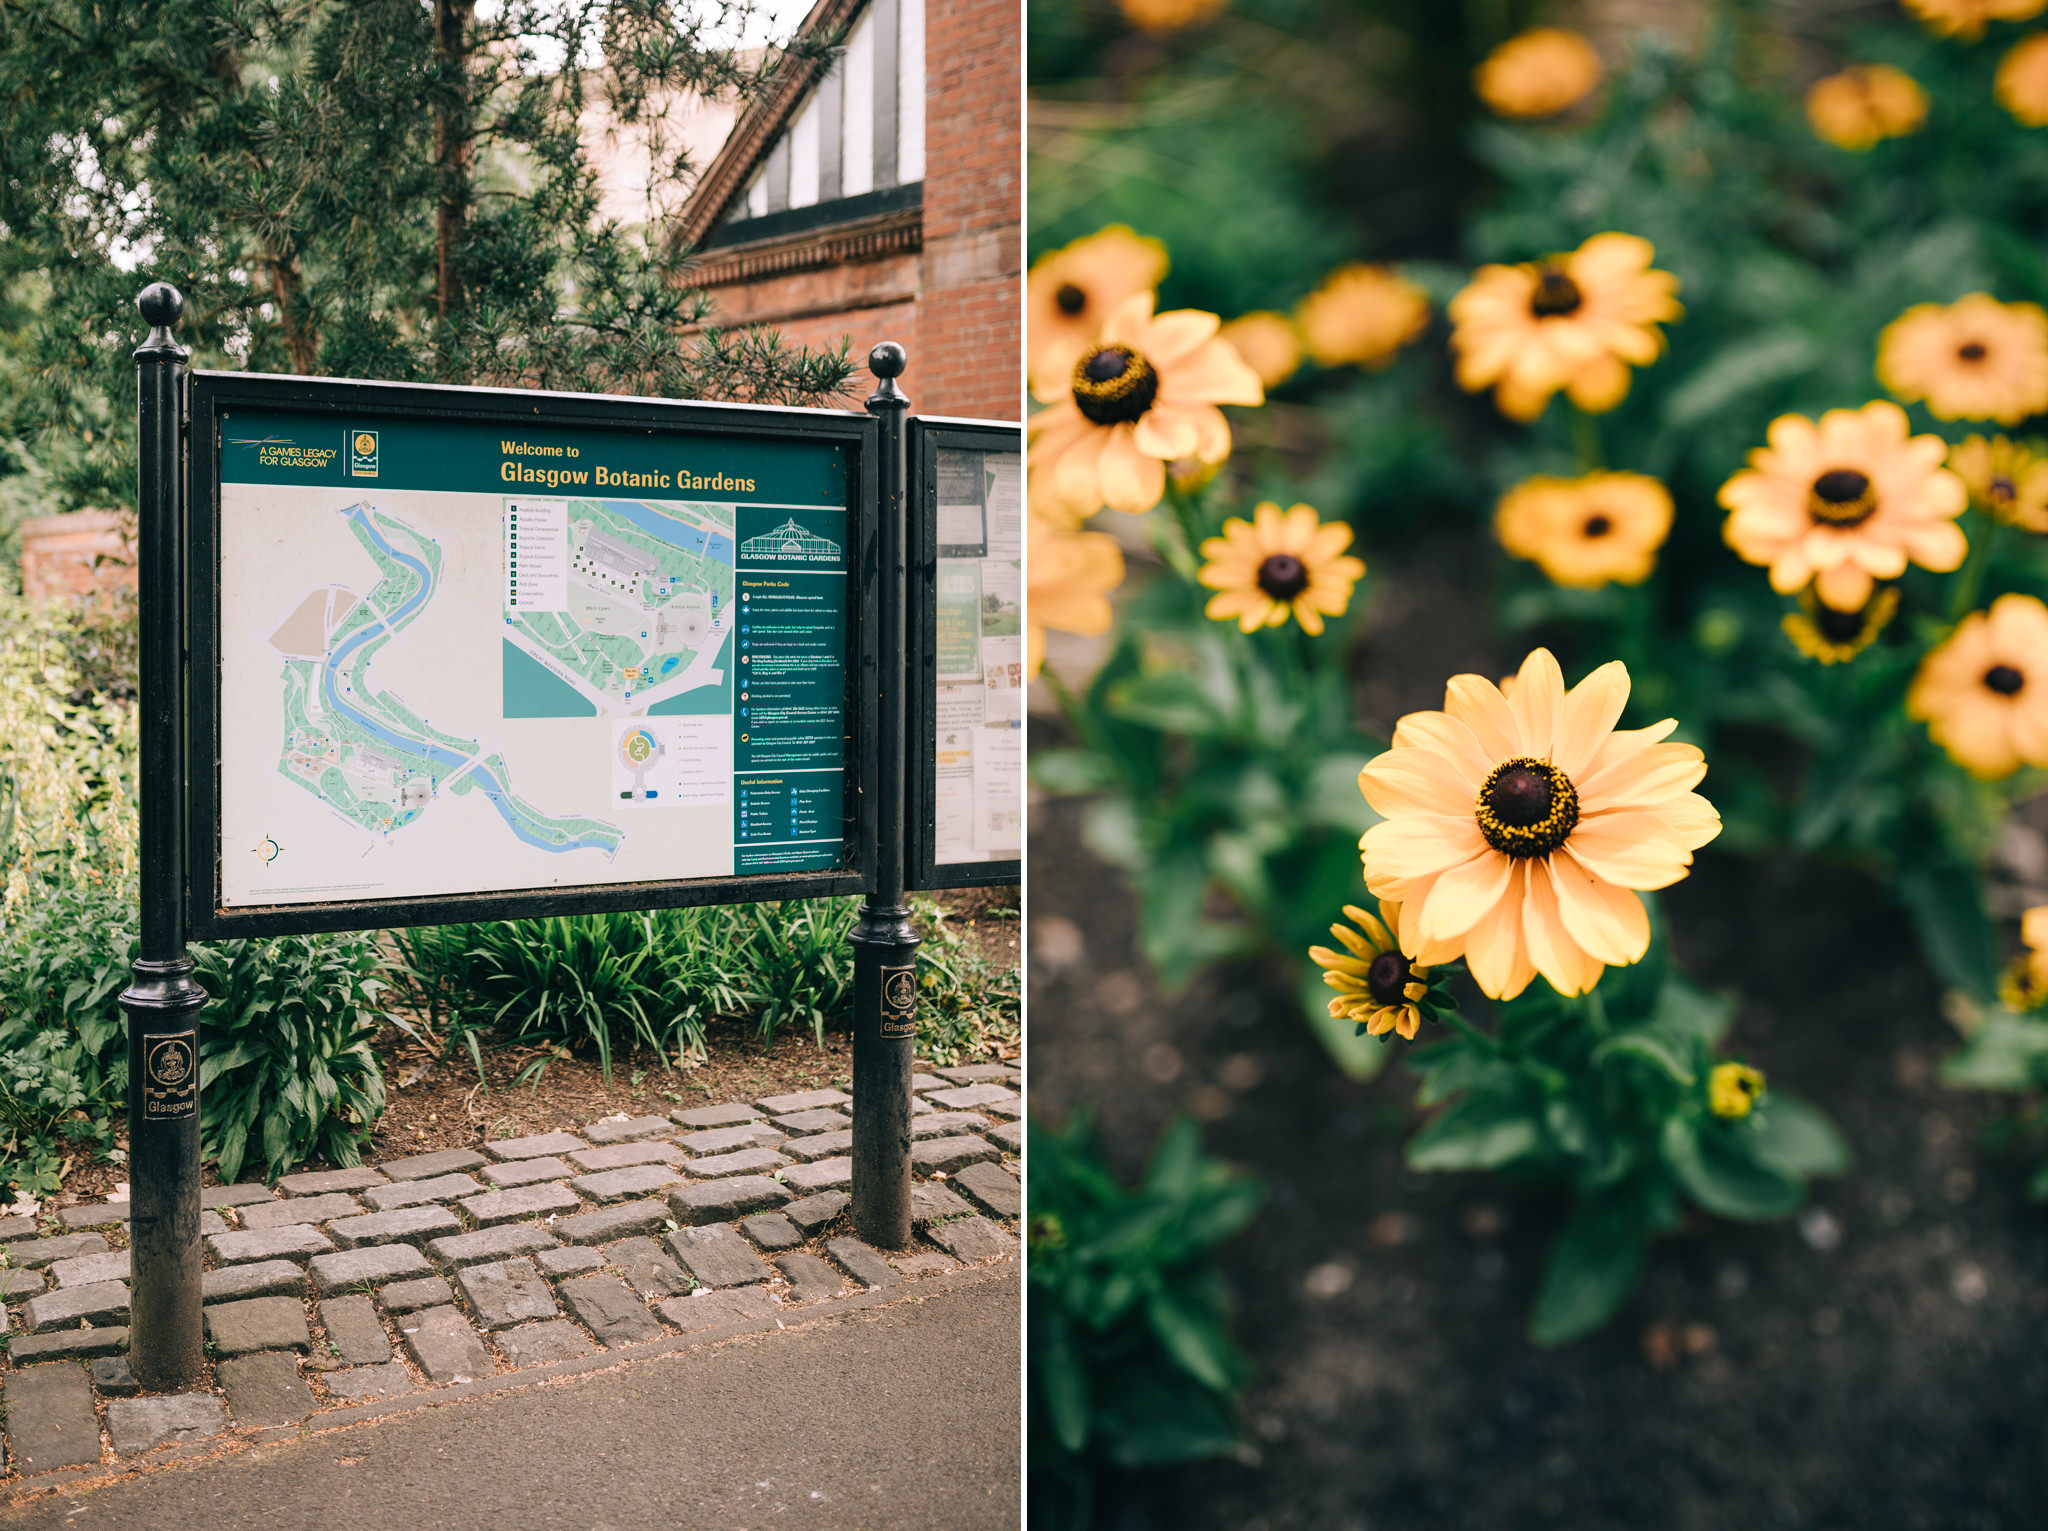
465 653
967 644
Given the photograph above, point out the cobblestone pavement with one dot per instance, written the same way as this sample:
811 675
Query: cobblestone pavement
360 1285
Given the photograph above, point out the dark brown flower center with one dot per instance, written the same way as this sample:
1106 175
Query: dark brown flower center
1387 978
1283 576
1839 626
1071 299
2001 488
2004 679
1555 296
1972 350
1527 807
1114 385
1598 526
1841 497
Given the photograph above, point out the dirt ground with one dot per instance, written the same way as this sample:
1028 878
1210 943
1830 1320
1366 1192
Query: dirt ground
432 1105
1882 1362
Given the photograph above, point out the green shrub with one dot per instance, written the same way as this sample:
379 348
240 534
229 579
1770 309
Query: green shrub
656 980
285 1067
285 1060
568 979
966 1003
1131 1360
800 969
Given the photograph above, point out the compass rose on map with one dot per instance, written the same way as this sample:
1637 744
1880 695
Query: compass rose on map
268 851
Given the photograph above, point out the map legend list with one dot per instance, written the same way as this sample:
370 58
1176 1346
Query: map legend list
537 555
769 811
792 672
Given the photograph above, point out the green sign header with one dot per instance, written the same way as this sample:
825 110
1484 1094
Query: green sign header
278 447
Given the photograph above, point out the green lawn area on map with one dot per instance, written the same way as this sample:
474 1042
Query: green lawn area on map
650 592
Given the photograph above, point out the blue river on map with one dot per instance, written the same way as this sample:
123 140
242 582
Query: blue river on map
669 530
446 759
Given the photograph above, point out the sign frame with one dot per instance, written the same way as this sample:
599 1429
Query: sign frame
351 402
929 435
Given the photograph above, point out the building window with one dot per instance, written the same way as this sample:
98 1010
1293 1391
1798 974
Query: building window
855 148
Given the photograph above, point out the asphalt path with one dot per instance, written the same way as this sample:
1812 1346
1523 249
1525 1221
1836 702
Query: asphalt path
899 1416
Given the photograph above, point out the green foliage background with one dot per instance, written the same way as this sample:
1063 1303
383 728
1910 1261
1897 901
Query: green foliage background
353 188
1284 137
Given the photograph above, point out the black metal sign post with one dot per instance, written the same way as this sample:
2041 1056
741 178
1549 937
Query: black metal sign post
330 432
162 1005
884 942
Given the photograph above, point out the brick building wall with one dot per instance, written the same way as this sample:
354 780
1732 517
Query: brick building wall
943 280
971 313
74 556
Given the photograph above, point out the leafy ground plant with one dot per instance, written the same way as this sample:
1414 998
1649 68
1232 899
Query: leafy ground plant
655 981
1522 838
967 1004
2007 1050
285 1068
1131 1360
285 1055
1614 1097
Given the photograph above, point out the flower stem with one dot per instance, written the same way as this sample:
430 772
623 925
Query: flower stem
1971 581
1586 441
1594 1008
1181 552
1070 705
1469 1032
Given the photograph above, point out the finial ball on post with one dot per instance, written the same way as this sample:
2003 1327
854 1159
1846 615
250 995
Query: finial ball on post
161 304
887 360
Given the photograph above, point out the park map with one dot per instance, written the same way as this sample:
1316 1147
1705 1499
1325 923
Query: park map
627 606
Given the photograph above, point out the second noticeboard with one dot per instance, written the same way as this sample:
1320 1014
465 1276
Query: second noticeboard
967 640
472 645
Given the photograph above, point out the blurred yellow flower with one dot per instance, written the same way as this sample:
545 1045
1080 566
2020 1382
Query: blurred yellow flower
1865 104
1831 636
2006 480
1361 316
1515 831
1845 503
1377 986
1070 292
2024 985
1540 73
1575 322
1277 564
1983 694
2022 85
1142 396
1733 1090
1974 359
1599 529
1168 15
1968 18
1268 343
1070 577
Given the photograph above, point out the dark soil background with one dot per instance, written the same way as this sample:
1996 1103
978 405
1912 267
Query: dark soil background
1881 1362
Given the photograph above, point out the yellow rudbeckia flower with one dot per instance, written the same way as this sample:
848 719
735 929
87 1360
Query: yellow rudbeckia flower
1517 830
1575 322
1279 564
